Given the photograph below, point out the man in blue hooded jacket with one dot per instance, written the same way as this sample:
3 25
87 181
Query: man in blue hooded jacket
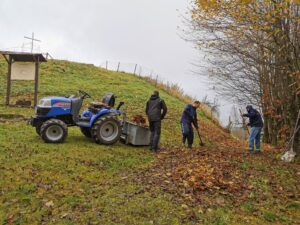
189 118
256 124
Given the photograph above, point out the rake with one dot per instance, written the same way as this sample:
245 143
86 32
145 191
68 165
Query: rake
201 142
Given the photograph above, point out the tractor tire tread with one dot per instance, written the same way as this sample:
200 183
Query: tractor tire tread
98 123
49 122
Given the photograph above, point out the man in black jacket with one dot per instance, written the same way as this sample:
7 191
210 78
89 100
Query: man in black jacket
256 124
156 111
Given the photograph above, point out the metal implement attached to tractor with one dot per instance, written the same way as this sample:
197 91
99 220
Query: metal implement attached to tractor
135 134
100 121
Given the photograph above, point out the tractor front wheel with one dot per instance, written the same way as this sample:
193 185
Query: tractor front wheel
106 130
54 131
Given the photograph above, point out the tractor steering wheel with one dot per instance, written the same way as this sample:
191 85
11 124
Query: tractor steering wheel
83 94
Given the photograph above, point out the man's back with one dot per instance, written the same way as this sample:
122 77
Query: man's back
255 118
154 108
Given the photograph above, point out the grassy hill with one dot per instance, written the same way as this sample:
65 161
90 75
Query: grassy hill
79 182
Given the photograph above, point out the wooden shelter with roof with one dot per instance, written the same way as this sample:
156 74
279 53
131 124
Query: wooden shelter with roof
22 57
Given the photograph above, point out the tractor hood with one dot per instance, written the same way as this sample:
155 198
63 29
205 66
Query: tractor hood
53 101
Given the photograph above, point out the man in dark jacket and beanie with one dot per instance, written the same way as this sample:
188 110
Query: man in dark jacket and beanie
156 111
256 124
189 118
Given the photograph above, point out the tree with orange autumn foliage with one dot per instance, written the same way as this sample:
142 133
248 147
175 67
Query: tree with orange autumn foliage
254 57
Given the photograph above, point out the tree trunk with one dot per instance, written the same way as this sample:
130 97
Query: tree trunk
296 146
266 137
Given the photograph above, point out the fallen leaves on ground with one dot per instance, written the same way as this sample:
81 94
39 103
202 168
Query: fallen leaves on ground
189 173
213 175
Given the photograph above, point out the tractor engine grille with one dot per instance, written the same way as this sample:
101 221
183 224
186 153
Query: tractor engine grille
42 111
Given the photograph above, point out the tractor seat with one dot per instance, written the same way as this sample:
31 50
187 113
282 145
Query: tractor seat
94 107
99 105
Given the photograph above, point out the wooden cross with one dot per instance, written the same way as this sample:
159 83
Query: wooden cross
32 41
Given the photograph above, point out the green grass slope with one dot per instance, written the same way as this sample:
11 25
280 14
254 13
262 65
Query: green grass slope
80 182
61 78
85 182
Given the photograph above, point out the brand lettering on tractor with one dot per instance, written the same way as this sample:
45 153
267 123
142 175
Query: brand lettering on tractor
62 104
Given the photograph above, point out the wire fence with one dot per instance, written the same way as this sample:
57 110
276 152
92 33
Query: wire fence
150 75
159 82
132 68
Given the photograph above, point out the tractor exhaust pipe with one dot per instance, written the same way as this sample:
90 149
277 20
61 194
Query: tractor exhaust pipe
120 105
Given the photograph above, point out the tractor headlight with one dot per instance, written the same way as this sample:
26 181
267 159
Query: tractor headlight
45 103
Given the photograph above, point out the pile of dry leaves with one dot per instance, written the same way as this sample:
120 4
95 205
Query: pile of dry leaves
195 174
200 174
139 120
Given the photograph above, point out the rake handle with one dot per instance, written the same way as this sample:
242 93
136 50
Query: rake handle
201 142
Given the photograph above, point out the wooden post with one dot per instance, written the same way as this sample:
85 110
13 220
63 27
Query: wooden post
118 67
8 80
156 80
135 69
36 80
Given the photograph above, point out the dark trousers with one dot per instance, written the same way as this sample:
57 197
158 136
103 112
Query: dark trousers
155 128
187 133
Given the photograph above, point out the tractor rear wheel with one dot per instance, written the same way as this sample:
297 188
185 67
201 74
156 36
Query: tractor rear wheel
86 131
106 130
54 131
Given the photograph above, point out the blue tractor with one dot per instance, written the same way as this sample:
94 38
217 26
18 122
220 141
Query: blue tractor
100 121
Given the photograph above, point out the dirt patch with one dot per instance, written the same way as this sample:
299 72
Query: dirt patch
12 118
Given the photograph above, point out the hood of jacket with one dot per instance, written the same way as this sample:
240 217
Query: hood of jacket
154 97
249 108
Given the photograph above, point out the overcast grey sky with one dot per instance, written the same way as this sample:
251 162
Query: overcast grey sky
93 31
